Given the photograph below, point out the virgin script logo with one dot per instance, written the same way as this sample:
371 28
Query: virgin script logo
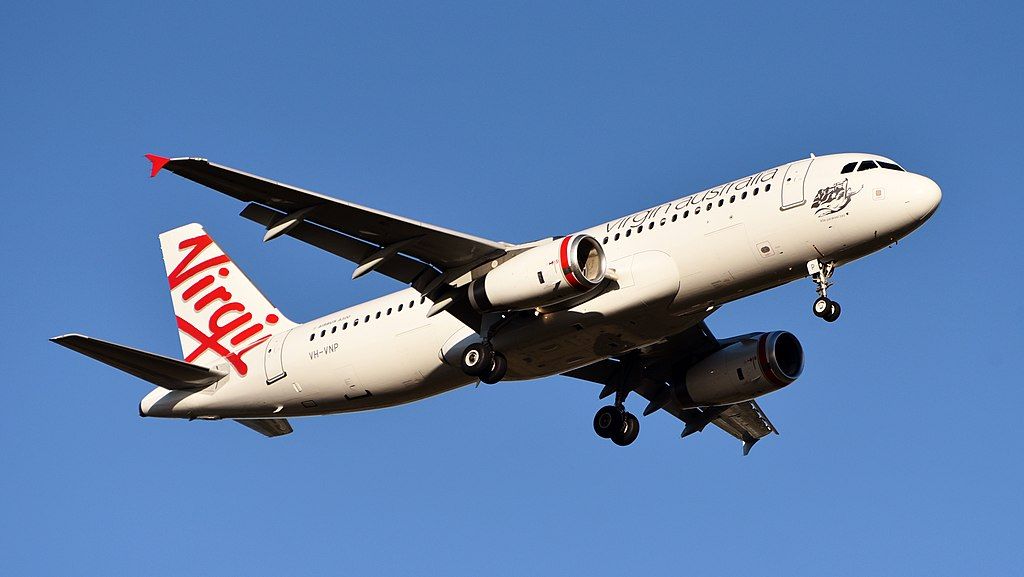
202 293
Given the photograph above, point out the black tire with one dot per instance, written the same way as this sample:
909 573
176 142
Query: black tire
834 310
608 420
821 307
498 369
477 359
629 432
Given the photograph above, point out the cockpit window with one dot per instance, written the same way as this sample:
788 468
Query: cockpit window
890 166
867 165
848 168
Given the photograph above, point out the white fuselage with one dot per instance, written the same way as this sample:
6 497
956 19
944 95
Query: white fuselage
672 264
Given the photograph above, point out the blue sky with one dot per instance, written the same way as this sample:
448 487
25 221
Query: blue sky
513 121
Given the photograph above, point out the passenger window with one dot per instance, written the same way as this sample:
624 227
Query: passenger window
378 315
367 319
732 199
322 333
743 196
355 323
389 310
400 307
867 165
676 217
344 326
721 202
686 213
767 187
848 168
709 205
616 236
651 226
312 336
605 241
334 329
696 210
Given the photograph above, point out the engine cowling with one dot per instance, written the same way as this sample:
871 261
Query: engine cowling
744 370
542 276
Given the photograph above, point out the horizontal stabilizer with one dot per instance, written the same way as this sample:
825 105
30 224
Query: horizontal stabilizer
268 427
160 370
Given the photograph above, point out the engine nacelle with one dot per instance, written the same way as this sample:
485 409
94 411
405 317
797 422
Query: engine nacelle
744 370
542 276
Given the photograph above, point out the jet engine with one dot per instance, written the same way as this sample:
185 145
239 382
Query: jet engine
542 276
754 365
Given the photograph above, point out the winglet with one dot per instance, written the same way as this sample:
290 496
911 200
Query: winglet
158 163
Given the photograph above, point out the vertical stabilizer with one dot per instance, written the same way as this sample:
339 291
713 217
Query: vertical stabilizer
221 315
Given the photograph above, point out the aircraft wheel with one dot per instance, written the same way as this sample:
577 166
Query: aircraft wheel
497 371
833 312
477 359
821 307
608 421
629 432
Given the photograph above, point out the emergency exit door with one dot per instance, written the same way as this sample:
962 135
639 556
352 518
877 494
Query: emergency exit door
273 358
793 184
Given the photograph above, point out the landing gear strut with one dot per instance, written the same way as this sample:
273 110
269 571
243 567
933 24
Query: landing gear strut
824 307
481 361
615 423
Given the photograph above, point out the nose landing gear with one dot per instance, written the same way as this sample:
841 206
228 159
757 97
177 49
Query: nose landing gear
824 307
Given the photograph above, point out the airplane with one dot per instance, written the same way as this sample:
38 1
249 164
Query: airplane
622 304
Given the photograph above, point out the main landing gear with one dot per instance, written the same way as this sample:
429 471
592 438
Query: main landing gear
481 361
616 423
820 273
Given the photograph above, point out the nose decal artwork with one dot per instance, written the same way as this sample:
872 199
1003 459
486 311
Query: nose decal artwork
834 198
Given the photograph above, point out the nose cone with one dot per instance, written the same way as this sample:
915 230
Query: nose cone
926 199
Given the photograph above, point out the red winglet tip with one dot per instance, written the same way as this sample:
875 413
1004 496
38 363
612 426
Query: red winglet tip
158 163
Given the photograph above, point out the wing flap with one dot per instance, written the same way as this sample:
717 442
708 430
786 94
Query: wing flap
398 267
157 369
745 421
267 427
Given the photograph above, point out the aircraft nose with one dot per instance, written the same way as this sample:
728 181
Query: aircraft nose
926 199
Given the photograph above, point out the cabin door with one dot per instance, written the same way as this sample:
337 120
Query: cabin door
793 185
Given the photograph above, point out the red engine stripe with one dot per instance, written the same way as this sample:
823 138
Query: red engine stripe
563 253
762 359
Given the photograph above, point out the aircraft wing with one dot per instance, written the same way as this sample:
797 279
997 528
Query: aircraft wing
419 254
648 370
